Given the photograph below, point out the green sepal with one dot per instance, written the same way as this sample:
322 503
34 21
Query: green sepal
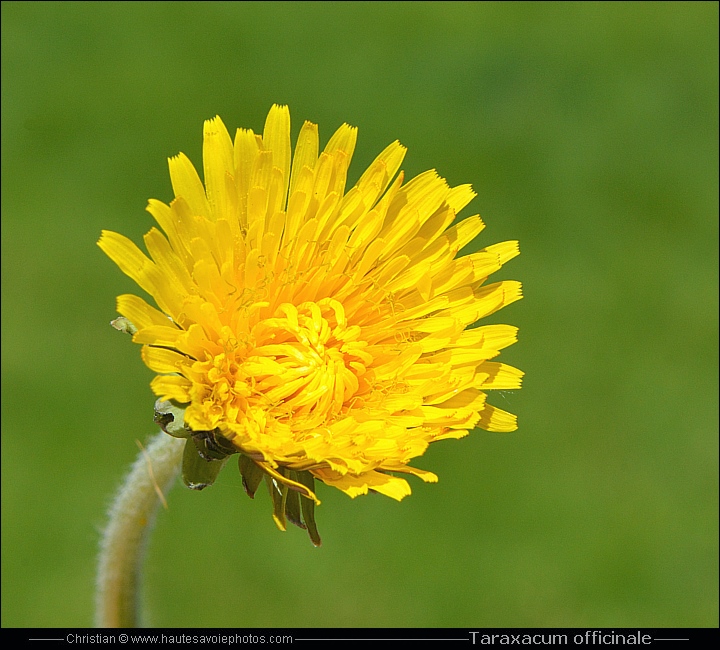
308 507
199 472
251 474
171 419
278 494
211 446
292 505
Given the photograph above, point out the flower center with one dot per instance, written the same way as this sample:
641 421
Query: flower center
317 362
301 368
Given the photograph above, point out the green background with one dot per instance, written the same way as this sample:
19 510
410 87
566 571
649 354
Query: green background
590 133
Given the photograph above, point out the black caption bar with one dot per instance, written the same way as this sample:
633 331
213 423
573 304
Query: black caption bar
307 637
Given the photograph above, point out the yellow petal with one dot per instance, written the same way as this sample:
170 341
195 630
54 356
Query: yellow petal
344 140
353 486
464 232
131 260
460 196
217 162
159 335
306 152
276 138
495 419
187 184
172 387
162 360
139 313
245 150
500 376
382 170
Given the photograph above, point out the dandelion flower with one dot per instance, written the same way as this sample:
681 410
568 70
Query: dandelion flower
320 332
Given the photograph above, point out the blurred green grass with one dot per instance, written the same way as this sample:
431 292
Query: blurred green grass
589 131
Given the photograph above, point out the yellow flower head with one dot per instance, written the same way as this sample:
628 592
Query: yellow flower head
320 331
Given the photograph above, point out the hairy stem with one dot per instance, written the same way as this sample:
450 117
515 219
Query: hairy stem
132 515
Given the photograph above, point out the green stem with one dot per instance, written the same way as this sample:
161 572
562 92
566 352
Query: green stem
132 515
